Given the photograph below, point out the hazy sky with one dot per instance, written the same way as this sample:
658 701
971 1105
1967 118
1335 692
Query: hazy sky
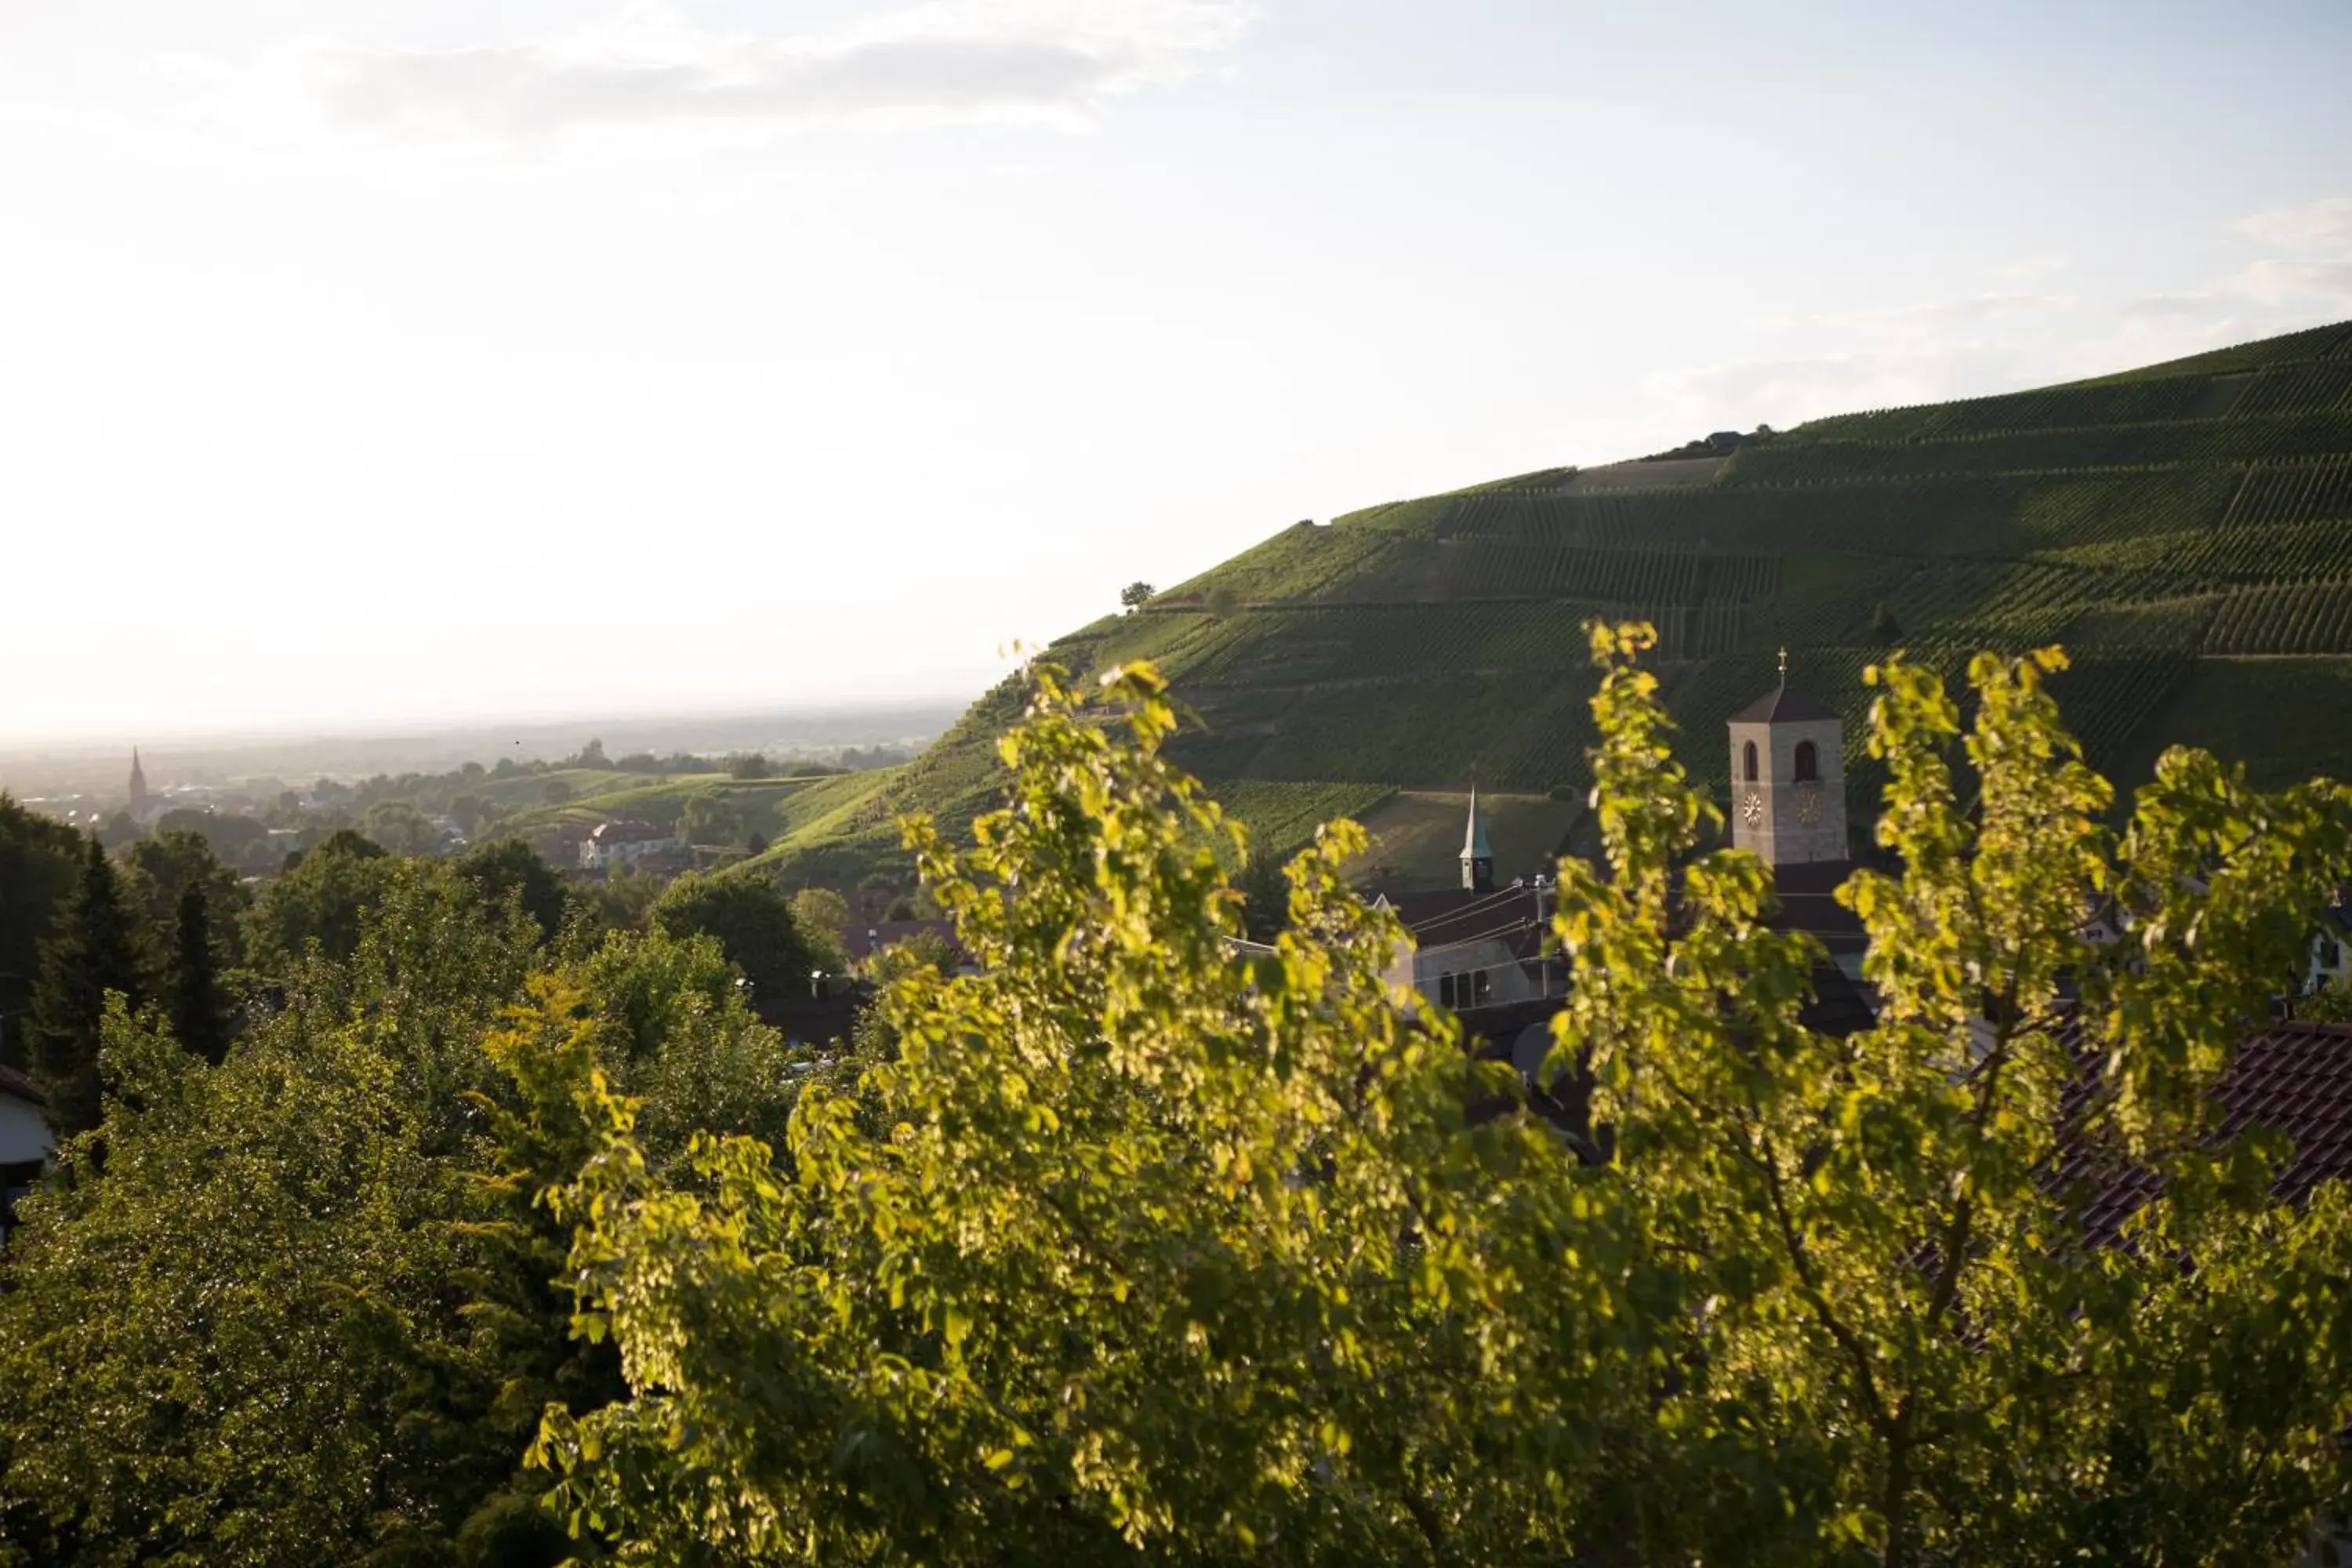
363 361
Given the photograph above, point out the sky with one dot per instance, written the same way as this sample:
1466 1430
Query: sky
364 364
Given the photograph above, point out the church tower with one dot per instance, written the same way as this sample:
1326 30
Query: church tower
1788 778
138 783
1477 855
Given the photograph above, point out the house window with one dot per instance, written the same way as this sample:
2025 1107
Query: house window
2331 954
1748 763
1808 766
1461 992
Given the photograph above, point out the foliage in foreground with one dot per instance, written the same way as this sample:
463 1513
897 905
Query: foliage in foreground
1121 1248
1124 1246
303 1309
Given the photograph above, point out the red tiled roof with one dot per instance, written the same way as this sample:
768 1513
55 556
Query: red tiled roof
2291 1077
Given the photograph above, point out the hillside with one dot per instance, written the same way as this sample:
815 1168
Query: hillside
2185 529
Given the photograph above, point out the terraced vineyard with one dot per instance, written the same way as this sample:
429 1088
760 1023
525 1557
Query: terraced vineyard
2185 529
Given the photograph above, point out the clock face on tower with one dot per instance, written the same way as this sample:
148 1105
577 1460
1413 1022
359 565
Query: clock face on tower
1751 810
1809 804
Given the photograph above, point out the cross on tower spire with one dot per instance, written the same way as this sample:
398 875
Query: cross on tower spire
1784 664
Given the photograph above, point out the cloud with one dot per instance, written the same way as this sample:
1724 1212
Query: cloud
1803 366
2283 282
2309 279
1937 320
2320 229
1021 61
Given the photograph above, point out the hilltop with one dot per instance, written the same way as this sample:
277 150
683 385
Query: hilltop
2184 529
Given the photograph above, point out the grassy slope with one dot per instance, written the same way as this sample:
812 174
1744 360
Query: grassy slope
766 806
2186 529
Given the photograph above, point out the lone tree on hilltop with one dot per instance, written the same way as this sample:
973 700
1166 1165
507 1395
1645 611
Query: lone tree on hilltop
1136 594
1884 626
92 953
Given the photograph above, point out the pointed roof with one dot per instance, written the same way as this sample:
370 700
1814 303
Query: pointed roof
1474 837
1781 705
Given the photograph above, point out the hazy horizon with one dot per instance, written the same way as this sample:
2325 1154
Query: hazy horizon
580 724
373 365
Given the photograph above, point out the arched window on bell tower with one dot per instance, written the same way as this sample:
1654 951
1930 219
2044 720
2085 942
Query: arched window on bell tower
1809 762
1748 765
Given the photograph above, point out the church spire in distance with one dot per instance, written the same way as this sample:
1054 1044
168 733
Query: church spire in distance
138 781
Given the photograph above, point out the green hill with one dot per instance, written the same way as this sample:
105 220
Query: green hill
2185 529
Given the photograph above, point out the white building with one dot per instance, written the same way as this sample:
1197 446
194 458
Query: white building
24 1140
616 843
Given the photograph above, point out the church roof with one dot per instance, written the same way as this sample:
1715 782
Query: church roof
1781 705
1474 837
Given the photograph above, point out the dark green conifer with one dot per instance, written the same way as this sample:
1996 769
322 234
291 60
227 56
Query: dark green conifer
200 1020
90 951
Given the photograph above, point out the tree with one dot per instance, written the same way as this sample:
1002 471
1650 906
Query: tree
1884 629
307 1315
319 898
1798 1299
469 812
1921 1341
751 920
93 954
237 840
40 863
749 765
1104 1128
709 818
1136 594
1222 602
591 755
157 872
823 917
1265 897
511 868
623 899
401 828
199 1012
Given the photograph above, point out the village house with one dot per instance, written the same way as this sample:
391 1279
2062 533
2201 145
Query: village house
615 845
24 1140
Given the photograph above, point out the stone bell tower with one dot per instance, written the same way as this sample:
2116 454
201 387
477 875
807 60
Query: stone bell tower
1788 778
